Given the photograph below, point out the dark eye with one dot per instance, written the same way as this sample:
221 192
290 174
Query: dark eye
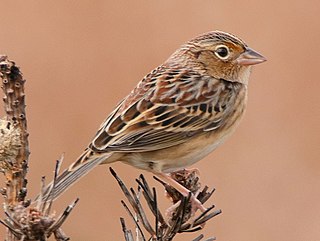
222 52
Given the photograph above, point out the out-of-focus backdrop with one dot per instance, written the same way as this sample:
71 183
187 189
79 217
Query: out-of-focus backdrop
81 57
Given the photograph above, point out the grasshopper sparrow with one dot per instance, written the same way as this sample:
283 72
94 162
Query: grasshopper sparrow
177 114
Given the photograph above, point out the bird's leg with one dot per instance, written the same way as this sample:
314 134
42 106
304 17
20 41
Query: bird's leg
169 212
195 203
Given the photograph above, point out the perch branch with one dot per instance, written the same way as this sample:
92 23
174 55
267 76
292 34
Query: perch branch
178 220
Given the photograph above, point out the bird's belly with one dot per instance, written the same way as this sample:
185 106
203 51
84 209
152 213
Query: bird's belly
175 158
191 156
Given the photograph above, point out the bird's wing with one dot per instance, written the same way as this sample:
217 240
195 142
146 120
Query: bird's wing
167 108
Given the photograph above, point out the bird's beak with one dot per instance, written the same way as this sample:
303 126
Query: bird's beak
250 57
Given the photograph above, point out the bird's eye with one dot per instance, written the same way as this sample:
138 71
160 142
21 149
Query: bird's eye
222 52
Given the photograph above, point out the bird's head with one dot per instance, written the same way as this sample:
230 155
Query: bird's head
221 55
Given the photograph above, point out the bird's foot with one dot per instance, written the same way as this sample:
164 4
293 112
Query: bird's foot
196 205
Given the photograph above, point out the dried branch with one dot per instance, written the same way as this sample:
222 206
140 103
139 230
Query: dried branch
36 223
179 217
23 221
15 167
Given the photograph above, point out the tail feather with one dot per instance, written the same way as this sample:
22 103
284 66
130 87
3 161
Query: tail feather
68 177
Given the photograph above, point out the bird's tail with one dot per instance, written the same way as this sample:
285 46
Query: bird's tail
85 163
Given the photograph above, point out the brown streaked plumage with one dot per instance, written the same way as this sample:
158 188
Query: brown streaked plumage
177 114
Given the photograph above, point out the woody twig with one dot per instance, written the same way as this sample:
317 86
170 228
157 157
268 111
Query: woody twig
179 218
23 221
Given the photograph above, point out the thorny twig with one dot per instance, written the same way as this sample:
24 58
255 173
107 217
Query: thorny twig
14 167
178 220
23 221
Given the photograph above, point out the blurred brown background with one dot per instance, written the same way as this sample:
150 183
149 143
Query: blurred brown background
81 57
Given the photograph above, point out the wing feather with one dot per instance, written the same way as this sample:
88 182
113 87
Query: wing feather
165 110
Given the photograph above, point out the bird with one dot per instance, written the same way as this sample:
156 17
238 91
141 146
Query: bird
176 115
